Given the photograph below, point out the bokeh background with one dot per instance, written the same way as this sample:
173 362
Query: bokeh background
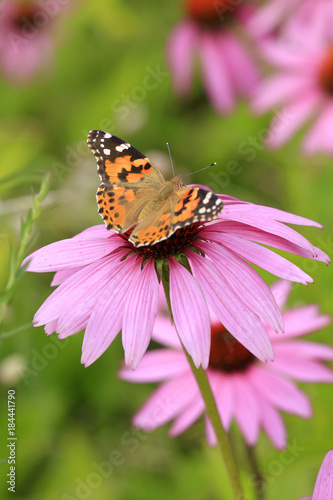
70 418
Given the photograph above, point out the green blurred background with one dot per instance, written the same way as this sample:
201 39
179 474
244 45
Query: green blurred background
70 418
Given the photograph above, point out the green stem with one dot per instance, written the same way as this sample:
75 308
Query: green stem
200 375
259 479
15 269
221 435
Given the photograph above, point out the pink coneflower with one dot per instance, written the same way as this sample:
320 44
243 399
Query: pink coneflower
323 489
227 67
304 85
25 42
245 389
107 285
274 13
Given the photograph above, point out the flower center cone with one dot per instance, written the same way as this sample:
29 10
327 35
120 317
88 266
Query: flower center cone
326 72
209 12
226 353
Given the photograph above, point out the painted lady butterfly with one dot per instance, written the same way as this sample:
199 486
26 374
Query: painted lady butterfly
134 193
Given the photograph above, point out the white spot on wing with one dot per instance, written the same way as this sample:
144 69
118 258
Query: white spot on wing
107 151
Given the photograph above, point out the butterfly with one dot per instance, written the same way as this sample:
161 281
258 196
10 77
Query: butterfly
134 193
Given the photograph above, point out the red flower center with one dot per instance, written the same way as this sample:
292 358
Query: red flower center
226 353
326 72
210 12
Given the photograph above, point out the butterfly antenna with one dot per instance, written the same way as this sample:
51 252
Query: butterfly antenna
200 170
173 170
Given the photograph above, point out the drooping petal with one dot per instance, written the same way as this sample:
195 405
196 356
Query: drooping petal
272 424
164 332
74 252
166 402
180 47
139 313
210 433
303 320
222 388
243 70
323 489
261 256
232 312
215 72
278 89
301 369
76 296
286 396
294 116
246 408
188 416
320 135
281 290
256 218
190 313
246 282
106 318
156 366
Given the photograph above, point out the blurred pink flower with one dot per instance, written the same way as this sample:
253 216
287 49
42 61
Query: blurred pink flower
107 285
227 67
288 13
304 85
323 489
245 389
25 41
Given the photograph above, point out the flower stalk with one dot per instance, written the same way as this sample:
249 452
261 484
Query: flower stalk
16 271
211 408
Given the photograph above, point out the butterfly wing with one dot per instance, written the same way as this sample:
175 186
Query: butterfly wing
128 180
194 204
184 207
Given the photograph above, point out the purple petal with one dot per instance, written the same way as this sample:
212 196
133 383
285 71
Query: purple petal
210 433
279 392
215 72
264 212
261 256
246 408
74 298
106 318
278 89
74 252
243 71
272 424
320 136
139 313
303 320
61 276
156 366
167 402
164 332
246 282
180 51
294 116
301 369
323 489
220 230
304 349
259 218
281 290
222 388
190 313
232 312
188 416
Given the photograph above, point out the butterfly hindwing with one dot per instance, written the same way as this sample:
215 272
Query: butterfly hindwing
194 204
